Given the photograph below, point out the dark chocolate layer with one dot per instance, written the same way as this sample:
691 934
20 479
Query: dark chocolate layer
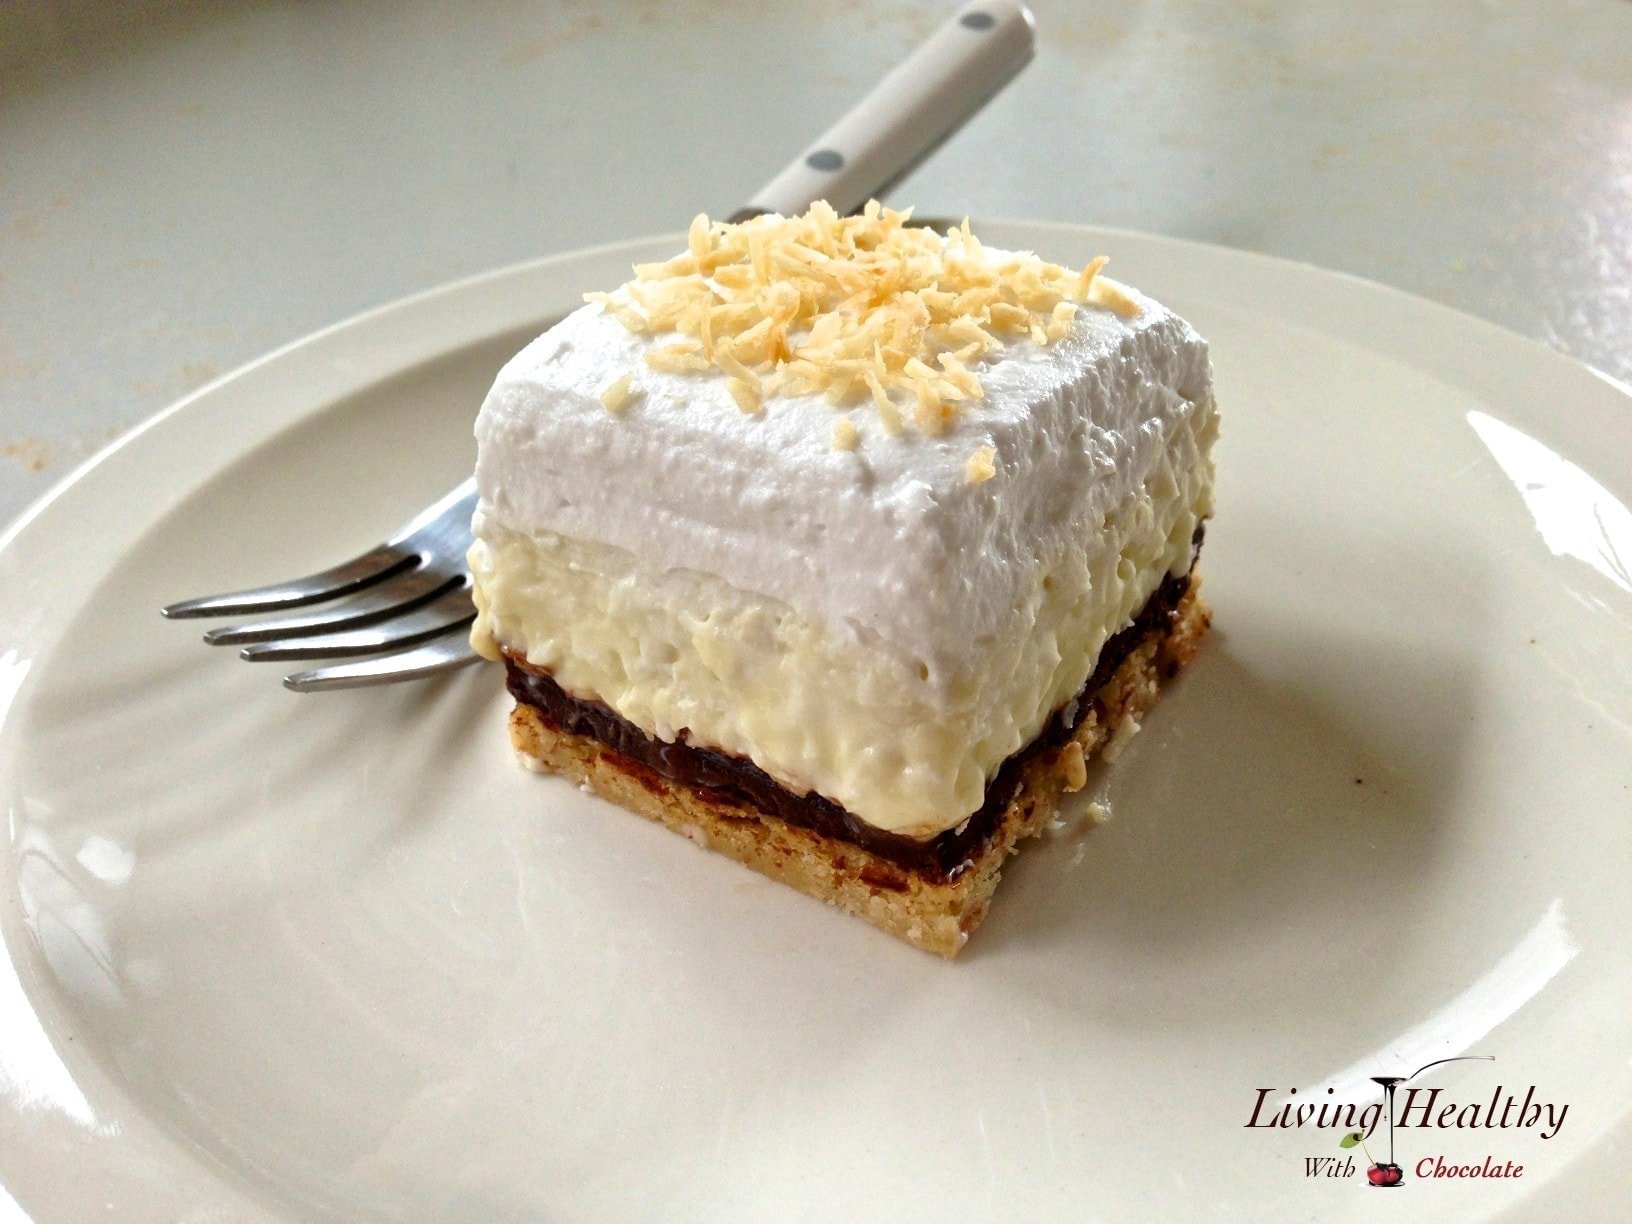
734 779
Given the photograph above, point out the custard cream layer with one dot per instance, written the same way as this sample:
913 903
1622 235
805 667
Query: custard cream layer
866 624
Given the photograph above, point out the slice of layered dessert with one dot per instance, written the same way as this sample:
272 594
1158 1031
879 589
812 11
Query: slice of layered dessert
840 546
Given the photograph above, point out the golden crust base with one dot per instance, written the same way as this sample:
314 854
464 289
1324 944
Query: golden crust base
937 916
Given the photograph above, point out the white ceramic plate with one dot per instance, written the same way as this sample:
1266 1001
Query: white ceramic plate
337 957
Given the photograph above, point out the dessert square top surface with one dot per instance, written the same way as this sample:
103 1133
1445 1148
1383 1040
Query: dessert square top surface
889 429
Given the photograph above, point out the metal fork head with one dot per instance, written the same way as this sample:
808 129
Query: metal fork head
404 603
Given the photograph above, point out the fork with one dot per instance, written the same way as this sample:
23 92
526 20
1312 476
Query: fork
402 610
409 596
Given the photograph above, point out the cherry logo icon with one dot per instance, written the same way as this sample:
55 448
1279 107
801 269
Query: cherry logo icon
1385 1175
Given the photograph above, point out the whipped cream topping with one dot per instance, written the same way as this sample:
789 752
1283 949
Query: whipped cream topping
889 542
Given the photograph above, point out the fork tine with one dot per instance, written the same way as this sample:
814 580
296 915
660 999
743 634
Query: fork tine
401 593
373 566
445 653
450 611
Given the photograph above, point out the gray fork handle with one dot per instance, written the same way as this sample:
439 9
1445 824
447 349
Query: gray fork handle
928 96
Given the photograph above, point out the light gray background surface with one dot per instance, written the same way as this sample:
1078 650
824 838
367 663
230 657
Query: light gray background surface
185 186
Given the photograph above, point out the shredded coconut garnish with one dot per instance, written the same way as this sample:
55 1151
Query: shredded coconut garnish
845 437
982 465
857 310
617 393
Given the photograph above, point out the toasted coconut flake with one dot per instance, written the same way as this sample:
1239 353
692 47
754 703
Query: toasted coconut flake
618 392
845 437
961 377
1090 270
889 416
747 396
930 414
683 358
1060 320
852 308
738 372
622 311
1108 293
1007 317
982 465
697 238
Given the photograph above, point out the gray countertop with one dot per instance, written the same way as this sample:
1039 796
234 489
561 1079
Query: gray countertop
184 186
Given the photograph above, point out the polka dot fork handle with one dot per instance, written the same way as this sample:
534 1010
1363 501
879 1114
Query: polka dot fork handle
930 95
